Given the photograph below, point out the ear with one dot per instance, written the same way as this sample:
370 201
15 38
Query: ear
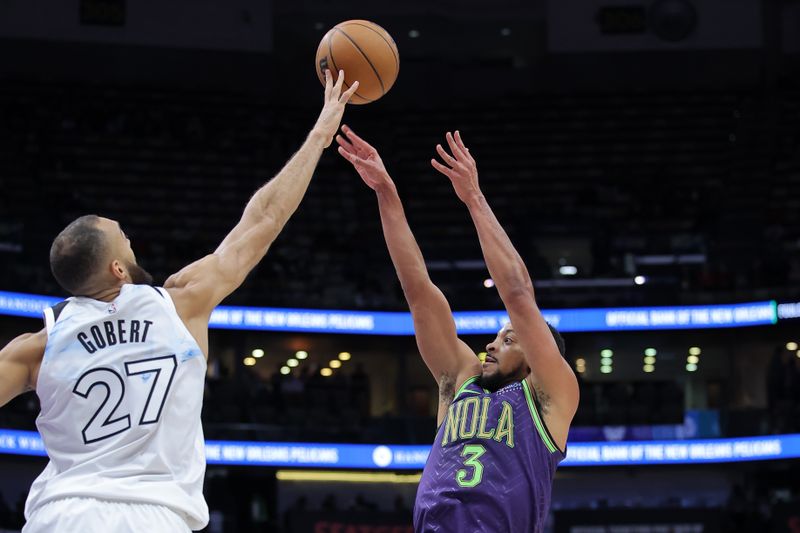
118 270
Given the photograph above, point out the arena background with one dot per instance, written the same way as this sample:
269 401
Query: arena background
642 155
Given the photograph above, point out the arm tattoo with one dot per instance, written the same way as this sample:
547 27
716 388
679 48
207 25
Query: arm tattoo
447 389
543 398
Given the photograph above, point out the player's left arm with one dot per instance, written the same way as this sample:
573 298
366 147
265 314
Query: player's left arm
19 363
551 376
201 286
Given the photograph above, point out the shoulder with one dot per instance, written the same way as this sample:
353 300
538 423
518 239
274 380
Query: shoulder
28 347
192 273
191 287
23 355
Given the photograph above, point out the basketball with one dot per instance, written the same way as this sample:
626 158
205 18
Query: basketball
366 52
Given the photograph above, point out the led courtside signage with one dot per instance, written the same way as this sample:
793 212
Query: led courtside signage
406 457
467 322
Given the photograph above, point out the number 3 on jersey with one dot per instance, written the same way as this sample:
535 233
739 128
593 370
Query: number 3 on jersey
102 424
472 452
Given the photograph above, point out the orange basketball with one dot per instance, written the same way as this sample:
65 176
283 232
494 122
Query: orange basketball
366 52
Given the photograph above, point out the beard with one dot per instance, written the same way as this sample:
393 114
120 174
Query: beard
139 276
499 379
494 381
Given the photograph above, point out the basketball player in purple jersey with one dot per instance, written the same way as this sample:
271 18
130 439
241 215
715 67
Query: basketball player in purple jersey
502 424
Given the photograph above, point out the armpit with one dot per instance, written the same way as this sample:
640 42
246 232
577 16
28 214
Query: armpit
543 398
447 389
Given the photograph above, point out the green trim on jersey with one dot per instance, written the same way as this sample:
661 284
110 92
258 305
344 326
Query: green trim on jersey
537 420
463 388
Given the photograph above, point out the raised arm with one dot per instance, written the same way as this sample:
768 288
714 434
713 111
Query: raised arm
19 365
551 376
201 286
449 359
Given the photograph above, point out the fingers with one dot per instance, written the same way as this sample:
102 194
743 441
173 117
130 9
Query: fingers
450 160
447 171
348 155
457 152
357 141
328 84
344 143
349 92
337 87
463 146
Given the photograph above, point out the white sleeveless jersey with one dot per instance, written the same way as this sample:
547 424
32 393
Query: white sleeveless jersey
121 390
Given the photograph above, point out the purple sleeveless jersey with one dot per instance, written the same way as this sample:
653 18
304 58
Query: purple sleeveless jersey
491 467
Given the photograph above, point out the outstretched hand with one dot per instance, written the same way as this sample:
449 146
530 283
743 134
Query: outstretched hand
364 158
335 100
459 167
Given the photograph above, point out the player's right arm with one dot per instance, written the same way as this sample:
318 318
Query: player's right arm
19 364
449 359
201 286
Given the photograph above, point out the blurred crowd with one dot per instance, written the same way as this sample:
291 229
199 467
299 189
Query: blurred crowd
303 404
669 186
783 391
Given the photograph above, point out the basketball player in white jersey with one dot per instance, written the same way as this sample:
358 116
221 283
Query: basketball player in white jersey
119 367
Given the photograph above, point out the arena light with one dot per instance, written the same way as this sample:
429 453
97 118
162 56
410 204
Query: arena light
791 346
335 364
488 283
640 280
606 361
258 353
692 359
301 354
568 270
649 360
285 370
691 367
606 369
249 361
649 368
413 34
798 353
292 363
334 476
326 372
651 352
606 353
695 350
344 356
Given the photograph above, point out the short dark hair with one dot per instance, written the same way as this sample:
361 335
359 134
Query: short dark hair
77 252
562 346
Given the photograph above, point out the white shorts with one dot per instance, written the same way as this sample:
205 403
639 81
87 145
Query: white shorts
90 515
